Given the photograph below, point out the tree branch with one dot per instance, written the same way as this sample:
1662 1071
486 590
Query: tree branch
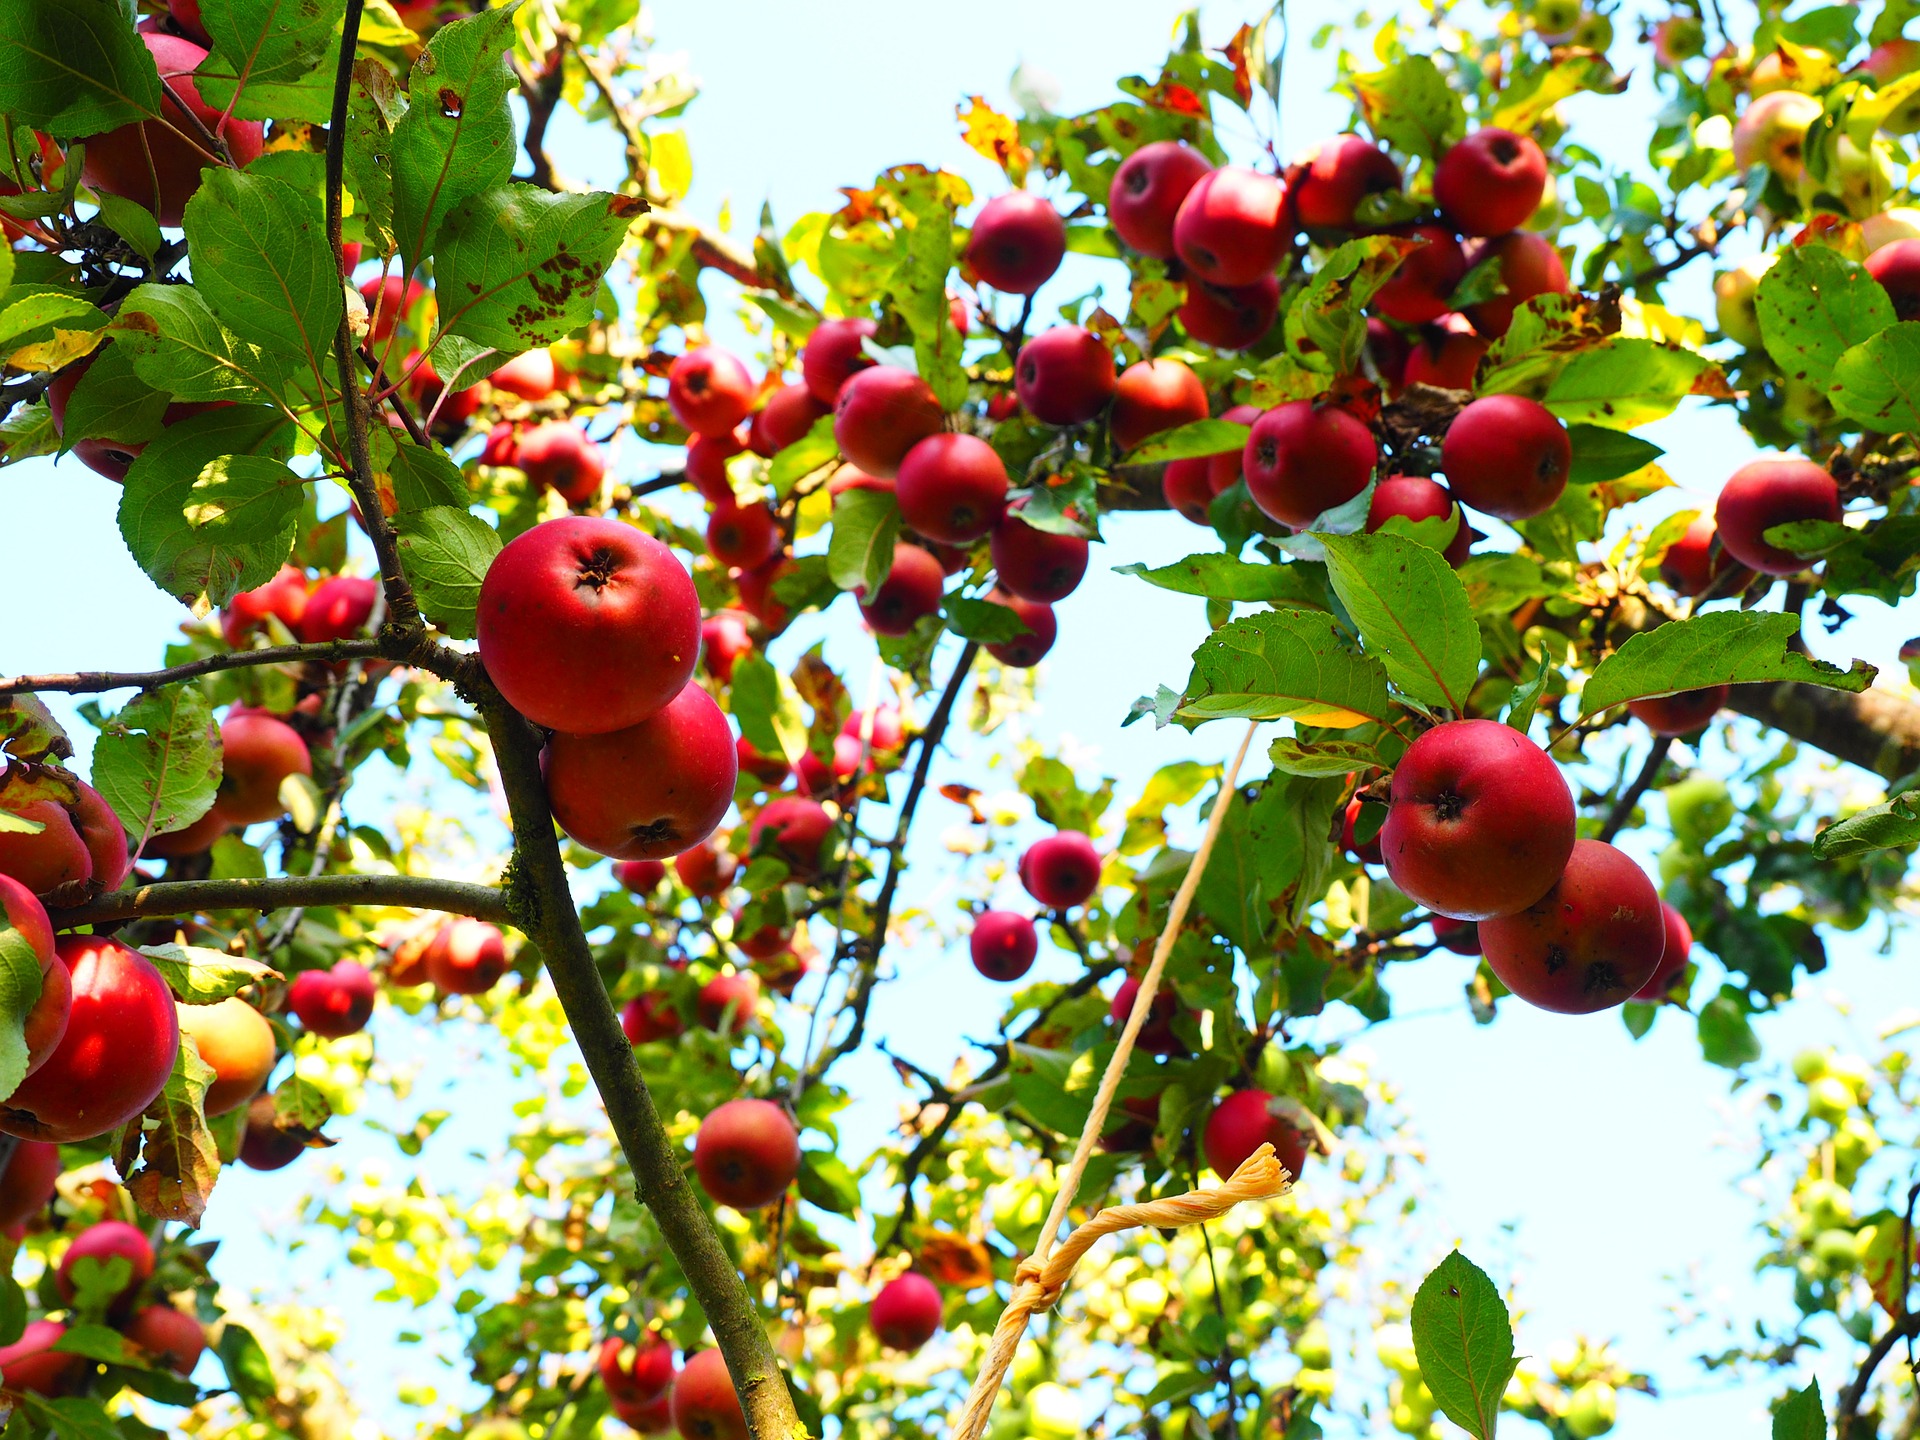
1876 729
1848 1405
191 897
89 682
1630 797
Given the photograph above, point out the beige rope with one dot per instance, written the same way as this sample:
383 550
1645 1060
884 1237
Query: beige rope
1035 1287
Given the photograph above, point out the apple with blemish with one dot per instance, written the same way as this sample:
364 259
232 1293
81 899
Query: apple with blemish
1593 939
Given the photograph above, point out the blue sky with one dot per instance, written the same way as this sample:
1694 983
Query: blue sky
1615 1164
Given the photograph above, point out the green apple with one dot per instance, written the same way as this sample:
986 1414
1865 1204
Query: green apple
1590 1411
1733 308
1810 1065
1698 808
1829 1099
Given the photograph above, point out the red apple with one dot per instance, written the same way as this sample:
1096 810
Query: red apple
263 1144
951 488
169 1336
724 639
705 870
1673 957
466 957
1767 493
852 477
1693 564
1390 351
889 732
642 877
1003 944
795 829
1507 456
743 536
333 1002
1017 242
1301 461
1897 268
1230 317
1592 940
653 1418
191 839
767 769
706 466
746 1154
111 458
1529 266
1365 851
1422 285
338 609
103 835
1156 1035
31 1363
633 1374
833 352
705 1406
1233 226
1023 652
913 589
1419 498
391 299
1343 171
558 455
157 163
102 1243
1146 192
1064 376
1152 396
1491 182
728 1000
236 1041
709 391
257 753
588 625
1062 870
1462 937
532 376
427 389
1679 714
1446 354
51 861
1186 488
1480 821
28 1181
1037 565
1243 1122
186 15
906 1312
650 790
882 413
284 597
650 1017
786 417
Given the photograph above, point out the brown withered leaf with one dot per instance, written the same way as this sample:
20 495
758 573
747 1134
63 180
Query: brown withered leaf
178 1159
954 1261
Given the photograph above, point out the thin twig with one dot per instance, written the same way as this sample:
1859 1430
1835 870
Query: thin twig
1623 807
90 682
193 897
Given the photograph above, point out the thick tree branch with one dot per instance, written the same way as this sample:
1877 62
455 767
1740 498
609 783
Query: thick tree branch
1848 1405
1876 729
192 897
89 682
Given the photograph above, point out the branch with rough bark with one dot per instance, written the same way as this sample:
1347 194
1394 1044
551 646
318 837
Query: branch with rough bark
93 682
193 897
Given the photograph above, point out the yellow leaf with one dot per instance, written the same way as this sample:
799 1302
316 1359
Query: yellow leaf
995 136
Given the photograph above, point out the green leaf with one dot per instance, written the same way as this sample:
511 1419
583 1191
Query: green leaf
112 402
1220 576
1329 321
1726 1039
277 55
1889 826
199 976
157 762
1624 383
860 550
767 707
1525 703
1230 890
13 1310
423 478
249 1371
447 552
804 456
1323 757
1814 305
1183 442
97 1342
919 282
74 68
300 1104
210 508
178 1160
72 1418
262 262
826 1181
1723 647
456 139
1464 1342
1412 613
984 620
31 319
1801 1416
1284 663
1877 382
1601 454
19 992
518 267
132 222
1411 107
178 346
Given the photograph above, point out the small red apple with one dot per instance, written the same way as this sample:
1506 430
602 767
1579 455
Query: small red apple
1003 945
284 597
1445 354
1185 486
633 1374
1490 182
1365 851
170 1336
102 1243
913 589
1156 1035
795 830
728 1001
1329 186
786 417
1673 957
333 1002
1529 266
1233 226
650 1017
1462 937
706 466
1767 493
906 1312
1152 396
746 1154
1230 317
1017 242
641 877
705 870
28 1182
532 376
1592 940
1679 714
1418 498
1693 564
1023 652
833 352
1897 268
338 609
705 1405
1146 192
709 391
1422 285
1301 461
1037 565
1064 375
466 957
236 1041
951 488
743 536
31 1363
391 299
558 455
1243 1122
257 752
1507 456
882 413
1062 870
263 1144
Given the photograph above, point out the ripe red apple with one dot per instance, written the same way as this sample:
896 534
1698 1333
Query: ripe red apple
1301 461
723 641
1592 940
1327 189
283 597
1767 493
103 835
111 458
1146 192
1897 268
23 912
1244 1121
762 943
951 488
588 625
186 15
832 353
31 1363
1062 870
558 455
913 588
1419 498
1507 456
1023 652
1230 317
796 830
816 776
1462 937
1152 396
1529 266
391 299
102 1243
906 1312
235 1039
706 870
635 1373
45 1025
1365 851
1673 956
653 1418
157 163
50 861
1490 182
786 417
532 376
190 840
427 389
333 1002
169 1336
1390 351
1693 564
1156 1035
650 1017
502 445
767 769
889 730
1480 821
1036 565
27 1183
882 413
1064 375
746 1154
705 1406
466 957
728 1000
709 391
1679 714
257 752
1422 285
116 1055
641 877
743 536
1003 944
1446 354
852 477
263 1144
706 466
1017 242
1186 488
1233 226
338 608
757 597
